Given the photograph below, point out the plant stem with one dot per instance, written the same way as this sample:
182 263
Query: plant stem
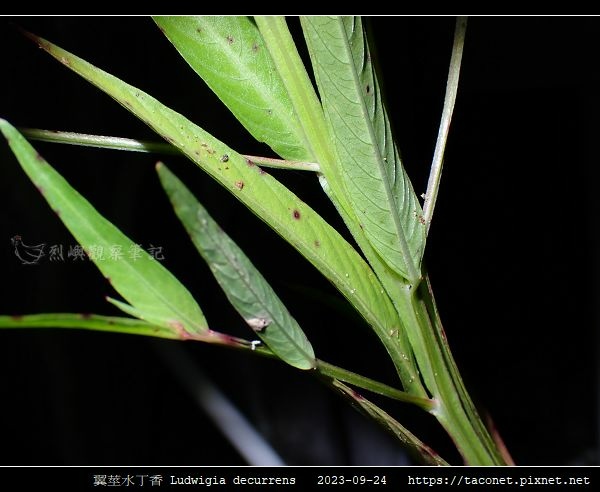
137 327
435 175
133 145
359 381
99 141
455 410
329 370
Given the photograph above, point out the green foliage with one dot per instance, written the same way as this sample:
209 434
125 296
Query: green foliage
153 292
255 69
378 188
230 56
245 287
284 212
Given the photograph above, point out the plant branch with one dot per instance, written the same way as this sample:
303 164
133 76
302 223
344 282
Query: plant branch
435 175
324 369
133 145
359 381
138 327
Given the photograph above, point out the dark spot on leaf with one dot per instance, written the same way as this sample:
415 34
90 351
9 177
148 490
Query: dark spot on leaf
317 244
249 162
111 322
296 215
197 152
368 89
203 145
85 315
261 171
199 30
210 151
16 317
224 158
239 185
255 47
269 112
422 219
230 39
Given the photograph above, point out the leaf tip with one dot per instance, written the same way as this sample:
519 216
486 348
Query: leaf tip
41 42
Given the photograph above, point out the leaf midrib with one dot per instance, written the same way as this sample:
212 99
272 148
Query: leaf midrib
405 250
251 287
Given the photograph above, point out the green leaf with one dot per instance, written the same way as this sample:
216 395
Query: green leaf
245 287
380 192
280 44
88 322
155 293
284 212
228 53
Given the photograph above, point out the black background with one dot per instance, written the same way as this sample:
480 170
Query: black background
511 254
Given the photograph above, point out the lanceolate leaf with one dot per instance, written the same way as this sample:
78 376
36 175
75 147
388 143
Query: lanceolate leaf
94 322
380 192
229 54
148 286
295 221
245 287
